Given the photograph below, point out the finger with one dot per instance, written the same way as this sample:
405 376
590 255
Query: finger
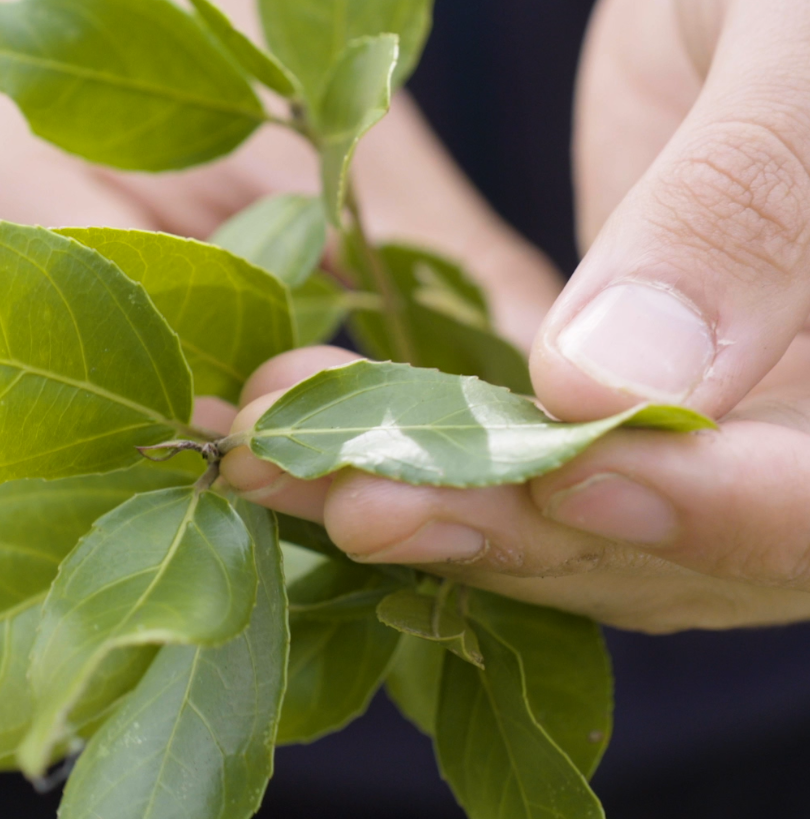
697 284
262 482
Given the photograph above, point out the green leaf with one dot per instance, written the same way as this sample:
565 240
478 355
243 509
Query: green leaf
446 316
136 84
425 427
356 98
309 36
230 316
196 737
173 566
414 680
496 758
319 307
431 617
263 66
565 669
335 669
285 235
88 368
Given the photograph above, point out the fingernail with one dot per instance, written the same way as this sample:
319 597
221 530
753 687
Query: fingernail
615 507
433 543
641 339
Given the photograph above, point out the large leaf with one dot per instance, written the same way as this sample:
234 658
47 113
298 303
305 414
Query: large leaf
565 668
264 67
309 36
285 235
88 368
196 738
173 566
425 427
230 316
445 314
356 98
134 84
496 758
414 680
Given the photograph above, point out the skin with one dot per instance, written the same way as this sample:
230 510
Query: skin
692 179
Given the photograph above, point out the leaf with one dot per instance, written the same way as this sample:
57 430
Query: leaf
446 316
309 36
565 669
357 97
495 757
335 669
136 84
285 235
196 738
263 66
425 427
230 316
414 680
88 368
173 566
319 307
431 617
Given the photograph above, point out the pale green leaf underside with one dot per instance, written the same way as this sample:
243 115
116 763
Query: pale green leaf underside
88 368
264 67
425 427
309 36
566 672
171 566
196 738
496 758
285 235
414 680
230 316
357 97
136 84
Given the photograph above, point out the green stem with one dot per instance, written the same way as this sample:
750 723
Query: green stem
393 306
442 595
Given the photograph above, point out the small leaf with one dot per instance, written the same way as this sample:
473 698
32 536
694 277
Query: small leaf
263 66
414 680
425 427
309 36
431 617
196 737
356 98
173 566
230 316
136 84
88 368
285 235
496 758
319 307
565 668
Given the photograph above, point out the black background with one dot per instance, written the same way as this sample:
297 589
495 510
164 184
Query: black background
707 725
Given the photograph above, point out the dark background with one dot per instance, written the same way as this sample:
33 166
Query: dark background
707 725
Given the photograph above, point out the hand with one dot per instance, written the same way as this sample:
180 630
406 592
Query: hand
694 190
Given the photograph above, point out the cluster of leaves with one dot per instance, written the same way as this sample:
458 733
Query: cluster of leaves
145 616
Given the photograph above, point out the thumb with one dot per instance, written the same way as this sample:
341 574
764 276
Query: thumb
699 280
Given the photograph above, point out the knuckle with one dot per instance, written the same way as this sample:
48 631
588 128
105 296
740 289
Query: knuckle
741 194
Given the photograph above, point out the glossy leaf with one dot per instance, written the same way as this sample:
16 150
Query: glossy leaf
309 36
425 427
566 673
431 617
196 737
496 758
172 566
319 307
263 66
414 680
357 97
230 316
136 84
285 235
88 368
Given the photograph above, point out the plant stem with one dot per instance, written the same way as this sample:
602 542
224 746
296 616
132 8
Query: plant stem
393 306
443 594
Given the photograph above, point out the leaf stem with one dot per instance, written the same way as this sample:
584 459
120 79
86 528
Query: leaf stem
440 601
392 303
